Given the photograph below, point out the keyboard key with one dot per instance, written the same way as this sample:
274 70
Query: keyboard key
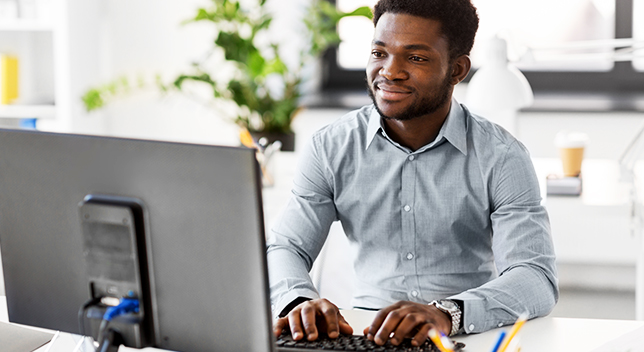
354 343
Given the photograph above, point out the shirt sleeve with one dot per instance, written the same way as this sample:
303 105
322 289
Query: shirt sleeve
523 250
301 230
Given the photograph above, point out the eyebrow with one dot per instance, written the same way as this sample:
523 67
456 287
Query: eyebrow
407 47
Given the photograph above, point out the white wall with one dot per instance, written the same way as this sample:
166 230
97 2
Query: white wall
145 38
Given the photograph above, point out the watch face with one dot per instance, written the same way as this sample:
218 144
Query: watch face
447 304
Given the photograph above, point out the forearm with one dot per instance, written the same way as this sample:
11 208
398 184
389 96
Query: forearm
288 276
523 251
523 288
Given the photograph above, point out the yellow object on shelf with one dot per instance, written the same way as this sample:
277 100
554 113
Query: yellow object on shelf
8 78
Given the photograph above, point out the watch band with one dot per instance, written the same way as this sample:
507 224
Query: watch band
453 310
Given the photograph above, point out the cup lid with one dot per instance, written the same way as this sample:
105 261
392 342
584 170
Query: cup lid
571 139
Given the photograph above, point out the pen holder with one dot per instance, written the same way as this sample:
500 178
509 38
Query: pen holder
265 159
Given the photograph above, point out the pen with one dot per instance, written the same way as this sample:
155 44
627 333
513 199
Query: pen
515 328
433 335
498 342
514 345
447 343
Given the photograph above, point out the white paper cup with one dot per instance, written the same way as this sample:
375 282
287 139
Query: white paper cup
571 151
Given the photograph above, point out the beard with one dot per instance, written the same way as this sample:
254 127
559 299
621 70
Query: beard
423 106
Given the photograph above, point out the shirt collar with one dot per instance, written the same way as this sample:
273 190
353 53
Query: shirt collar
374 126
454 129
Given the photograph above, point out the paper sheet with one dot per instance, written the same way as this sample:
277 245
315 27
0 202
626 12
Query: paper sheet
16 338
630 342
358 319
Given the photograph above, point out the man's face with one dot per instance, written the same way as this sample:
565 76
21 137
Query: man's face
409 71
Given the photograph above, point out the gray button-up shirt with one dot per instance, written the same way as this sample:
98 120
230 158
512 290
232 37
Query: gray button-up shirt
459 218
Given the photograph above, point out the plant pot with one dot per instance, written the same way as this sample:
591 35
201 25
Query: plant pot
287 139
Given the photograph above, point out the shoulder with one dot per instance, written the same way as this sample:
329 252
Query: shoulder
490 140
350 123
347 132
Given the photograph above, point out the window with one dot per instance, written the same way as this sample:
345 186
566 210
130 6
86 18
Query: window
557 44
638 33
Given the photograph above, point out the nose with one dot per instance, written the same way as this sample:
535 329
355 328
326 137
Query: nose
393 69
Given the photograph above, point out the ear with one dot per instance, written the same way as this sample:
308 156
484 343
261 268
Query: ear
460 68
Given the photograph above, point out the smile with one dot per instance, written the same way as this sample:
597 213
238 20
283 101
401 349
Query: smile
391 93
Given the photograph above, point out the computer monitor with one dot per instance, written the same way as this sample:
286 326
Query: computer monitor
202 210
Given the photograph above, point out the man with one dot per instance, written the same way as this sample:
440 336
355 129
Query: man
443 206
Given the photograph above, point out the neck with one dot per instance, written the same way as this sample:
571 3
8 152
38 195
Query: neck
417 132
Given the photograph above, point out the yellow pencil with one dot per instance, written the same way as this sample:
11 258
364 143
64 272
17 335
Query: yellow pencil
515 328
433 335
246 139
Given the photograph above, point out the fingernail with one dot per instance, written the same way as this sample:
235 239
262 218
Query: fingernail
333 334
297 335
394 341
370 336
311 337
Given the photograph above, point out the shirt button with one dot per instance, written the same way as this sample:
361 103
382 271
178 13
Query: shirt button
414 293
500 325
410 256
471 327
407 208
411 158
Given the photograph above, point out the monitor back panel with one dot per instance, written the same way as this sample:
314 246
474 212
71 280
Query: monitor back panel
204 225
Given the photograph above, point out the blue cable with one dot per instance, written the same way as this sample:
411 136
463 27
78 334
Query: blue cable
126 305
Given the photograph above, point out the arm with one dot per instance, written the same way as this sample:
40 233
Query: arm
523 251
294 243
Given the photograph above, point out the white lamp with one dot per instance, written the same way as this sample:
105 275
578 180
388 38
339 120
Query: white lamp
498 90
627 163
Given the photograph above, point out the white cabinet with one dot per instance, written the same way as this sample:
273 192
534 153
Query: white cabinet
57 48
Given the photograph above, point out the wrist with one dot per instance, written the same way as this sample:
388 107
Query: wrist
289 307
453 312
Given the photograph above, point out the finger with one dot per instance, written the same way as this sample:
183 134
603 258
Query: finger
407 326
309 312
345 328
388 326
279 325
377 322
331 316
421 335
295 321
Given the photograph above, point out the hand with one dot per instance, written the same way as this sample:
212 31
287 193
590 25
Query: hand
407 320
309 317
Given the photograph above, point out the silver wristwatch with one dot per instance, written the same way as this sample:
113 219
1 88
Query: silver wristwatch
454 311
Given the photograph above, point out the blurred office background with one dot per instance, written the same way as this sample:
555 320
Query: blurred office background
65 47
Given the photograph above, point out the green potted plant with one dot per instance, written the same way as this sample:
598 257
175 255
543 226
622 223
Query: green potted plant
266 91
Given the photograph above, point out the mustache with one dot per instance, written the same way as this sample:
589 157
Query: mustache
375 84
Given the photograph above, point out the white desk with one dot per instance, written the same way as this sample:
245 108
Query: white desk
566 335
545 334
538 335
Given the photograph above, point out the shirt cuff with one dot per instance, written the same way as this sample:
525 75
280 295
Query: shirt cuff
289 297
475 317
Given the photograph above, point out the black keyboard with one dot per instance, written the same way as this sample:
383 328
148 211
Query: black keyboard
286 343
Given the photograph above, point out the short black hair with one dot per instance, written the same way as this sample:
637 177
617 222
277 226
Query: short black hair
458 18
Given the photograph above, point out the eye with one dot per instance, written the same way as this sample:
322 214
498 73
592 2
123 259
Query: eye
417 59
377 54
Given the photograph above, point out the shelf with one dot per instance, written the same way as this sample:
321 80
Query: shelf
28 111
25 25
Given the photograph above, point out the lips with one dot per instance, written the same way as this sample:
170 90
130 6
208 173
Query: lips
389 92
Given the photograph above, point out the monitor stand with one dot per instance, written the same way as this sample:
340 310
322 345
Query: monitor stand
118 311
